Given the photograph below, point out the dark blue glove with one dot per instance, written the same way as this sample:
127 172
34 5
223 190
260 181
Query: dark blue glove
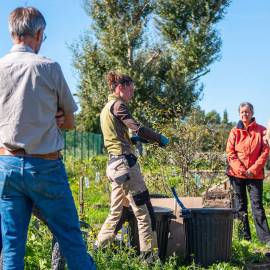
134 139
164 141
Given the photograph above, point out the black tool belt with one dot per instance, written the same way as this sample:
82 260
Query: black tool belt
131 159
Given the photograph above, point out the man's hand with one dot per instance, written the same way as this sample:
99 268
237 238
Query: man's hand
249 174
60 118
265 137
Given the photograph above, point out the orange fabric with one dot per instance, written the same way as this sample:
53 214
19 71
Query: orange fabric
247 151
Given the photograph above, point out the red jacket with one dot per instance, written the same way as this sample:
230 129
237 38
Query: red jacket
247 151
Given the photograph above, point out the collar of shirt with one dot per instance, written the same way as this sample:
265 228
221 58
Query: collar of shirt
114 97
21 48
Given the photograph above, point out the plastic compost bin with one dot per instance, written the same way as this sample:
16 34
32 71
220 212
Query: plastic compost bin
163 217
208 233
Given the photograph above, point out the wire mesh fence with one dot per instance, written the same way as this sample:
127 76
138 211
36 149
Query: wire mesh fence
81 145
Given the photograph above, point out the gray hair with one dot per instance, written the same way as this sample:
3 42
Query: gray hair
25 21
247 104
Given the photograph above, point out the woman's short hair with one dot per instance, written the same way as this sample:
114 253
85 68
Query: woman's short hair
114 79
25 21
246 104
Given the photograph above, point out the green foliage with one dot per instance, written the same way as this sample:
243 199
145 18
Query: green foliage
266 194
225 117
114 258
213 118
96 192
38 246
246 252
166 70
196 144
216 131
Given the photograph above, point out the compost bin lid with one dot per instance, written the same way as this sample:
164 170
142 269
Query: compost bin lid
158 196
210 211
162 210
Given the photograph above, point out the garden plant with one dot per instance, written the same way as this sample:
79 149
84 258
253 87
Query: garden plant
96 205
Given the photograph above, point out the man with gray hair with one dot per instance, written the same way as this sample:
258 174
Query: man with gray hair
32 91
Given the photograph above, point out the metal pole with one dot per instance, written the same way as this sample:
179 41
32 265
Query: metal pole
81 199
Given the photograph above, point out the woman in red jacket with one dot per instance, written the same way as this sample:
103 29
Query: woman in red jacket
247 154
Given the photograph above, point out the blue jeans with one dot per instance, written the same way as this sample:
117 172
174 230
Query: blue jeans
25 181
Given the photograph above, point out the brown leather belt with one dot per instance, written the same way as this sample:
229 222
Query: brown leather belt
21 152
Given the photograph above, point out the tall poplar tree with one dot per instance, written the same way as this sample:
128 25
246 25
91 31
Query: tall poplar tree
166 46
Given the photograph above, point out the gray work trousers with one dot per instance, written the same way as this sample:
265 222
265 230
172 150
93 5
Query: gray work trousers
135 192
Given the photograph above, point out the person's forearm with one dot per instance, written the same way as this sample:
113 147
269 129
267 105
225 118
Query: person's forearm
121 111
261 161
69 122
149 134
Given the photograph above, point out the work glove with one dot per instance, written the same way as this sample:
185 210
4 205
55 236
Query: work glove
134 139
164 141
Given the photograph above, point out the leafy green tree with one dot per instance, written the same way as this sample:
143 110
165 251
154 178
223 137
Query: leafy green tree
166 70
215 134
225 119
213 117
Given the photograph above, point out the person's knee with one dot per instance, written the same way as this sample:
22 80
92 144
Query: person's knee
141 198
145 212
258 209
123 218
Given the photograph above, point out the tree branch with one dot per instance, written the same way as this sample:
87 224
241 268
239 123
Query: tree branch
138 15
155 55
200 75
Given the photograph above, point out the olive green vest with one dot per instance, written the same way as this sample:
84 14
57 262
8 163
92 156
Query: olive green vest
115 133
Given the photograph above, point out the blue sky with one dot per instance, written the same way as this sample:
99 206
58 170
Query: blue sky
242 74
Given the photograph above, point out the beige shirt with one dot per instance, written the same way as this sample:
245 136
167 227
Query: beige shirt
32 88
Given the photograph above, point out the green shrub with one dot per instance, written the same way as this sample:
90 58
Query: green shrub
96 201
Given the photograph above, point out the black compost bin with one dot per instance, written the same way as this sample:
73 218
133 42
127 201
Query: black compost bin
208 234
163 217
158 196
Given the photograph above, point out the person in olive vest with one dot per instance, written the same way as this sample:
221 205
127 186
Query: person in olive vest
123 169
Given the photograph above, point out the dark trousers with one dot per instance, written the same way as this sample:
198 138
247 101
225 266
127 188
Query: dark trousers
240 203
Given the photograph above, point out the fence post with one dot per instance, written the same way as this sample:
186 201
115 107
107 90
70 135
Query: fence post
81 199
88 136
82 145
99 143
95 143
74 143
92 142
